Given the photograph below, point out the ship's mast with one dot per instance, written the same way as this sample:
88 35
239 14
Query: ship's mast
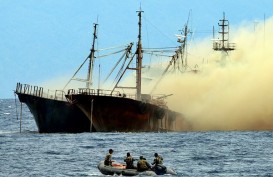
223 44
138 67
182 51
91 59
139 59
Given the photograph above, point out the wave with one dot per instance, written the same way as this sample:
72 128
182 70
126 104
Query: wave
7 132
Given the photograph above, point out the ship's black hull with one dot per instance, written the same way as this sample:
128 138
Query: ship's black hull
109 114
55 116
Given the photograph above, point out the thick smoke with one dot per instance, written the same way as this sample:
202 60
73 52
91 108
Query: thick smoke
234 94
231 94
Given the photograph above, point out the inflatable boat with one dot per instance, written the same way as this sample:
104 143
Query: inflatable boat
120 169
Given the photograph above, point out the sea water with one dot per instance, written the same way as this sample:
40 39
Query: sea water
219 153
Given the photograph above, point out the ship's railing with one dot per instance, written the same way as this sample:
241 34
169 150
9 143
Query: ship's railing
99 92
60 94
226 46
40 92
157 99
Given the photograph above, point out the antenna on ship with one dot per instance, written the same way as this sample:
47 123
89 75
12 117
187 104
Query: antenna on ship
139 58
223 44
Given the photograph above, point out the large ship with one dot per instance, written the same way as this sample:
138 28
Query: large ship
111 110
88 109
51 110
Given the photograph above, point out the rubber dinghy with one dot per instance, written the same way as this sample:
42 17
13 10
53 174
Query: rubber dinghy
120 169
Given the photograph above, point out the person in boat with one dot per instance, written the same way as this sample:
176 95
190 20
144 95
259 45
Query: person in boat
158 166
129 161
157 160
142 164
108 158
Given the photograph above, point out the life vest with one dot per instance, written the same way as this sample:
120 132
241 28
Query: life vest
129 162
142 165
158 160
108 159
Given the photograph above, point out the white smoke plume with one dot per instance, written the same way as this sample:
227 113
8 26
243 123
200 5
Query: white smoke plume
237 95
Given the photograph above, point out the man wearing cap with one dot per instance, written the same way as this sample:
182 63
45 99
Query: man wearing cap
108 158
142 164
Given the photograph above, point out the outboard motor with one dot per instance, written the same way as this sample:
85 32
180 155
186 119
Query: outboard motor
160 169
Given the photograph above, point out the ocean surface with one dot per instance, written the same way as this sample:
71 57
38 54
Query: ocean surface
219 153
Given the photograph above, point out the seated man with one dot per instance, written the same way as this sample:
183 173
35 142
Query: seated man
108 158
158 159
158 167
142 164
129 161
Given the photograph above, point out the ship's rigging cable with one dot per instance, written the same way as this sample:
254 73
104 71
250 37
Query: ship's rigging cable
146 30
73 77
158 29
179 53
76 72
158 54
163 74
120 70
161 48
114 68
102 56
114 47
159 51
131 59
156 51
126 55
148 40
